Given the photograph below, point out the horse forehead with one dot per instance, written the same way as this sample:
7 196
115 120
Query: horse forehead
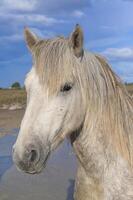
33 83
31 77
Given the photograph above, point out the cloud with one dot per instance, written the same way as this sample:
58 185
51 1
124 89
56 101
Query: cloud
31 12
22 5
116 54
63 6
104 42
125 70
11 38
31 18
47 7
122 61
78 13
36 18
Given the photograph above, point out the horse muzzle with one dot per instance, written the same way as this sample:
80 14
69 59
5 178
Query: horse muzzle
32 160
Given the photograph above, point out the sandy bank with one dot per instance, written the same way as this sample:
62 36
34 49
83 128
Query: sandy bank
9 120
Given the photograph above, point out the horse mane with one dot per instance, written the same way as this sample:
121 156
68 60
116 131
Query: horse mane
116 111
109 103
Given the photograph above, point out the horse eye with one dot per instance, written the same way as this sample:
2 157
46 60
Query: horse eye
66 87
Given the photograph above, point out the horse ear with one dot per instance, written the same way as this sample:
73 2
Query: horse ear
76 41
30 38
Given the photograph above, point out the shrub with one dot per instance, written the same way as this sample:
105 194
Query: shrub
16 85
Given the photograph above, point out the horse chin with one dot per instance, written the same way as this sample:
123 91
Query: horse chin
37 171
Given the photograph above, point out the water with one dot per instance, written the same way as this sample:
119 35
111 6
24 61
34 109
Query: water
55 183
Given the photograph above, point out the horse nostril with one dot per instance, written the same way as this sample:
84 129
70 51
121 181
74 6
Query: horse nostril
33 155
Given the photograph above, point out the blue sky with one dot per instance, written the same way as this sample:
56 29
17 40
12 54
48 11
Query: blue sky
107 25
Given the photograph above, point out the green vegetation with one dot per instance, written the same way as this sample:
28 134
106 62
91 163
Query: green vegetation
16 85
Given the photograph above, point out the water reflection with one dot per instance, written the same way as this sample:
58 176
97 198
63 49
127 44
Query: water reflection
5 164
6 143
70 189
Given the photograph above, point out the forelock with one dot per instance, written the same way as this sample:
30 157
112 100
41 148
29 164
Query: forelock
53 59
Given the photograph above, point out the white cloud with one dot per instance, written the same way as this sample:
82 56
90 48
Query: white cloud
119 53
44 6
28 19
78 13
124 69
41 19
23 5
122 61
11 38
104 42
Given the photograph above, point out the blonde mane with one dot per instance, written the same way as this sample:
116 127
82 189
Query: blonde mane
118 107
109 104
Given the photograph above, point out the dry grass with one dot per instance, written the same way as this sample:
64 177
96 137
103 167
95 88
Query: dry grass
130 88
12 96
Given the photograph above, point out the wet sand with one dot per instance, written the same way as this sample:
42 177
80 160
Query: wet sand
56 182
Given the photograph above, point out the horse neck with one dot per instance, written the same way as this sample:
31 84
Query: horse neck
104 167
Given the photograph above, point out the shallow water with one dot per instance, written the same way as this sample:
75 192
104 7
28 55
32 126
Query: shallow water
56 182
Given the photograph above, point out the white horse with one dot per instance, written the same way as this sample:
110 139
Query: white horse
73 93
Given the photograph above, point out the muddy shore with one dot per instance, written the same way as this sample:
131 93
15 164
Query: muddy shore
9 120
